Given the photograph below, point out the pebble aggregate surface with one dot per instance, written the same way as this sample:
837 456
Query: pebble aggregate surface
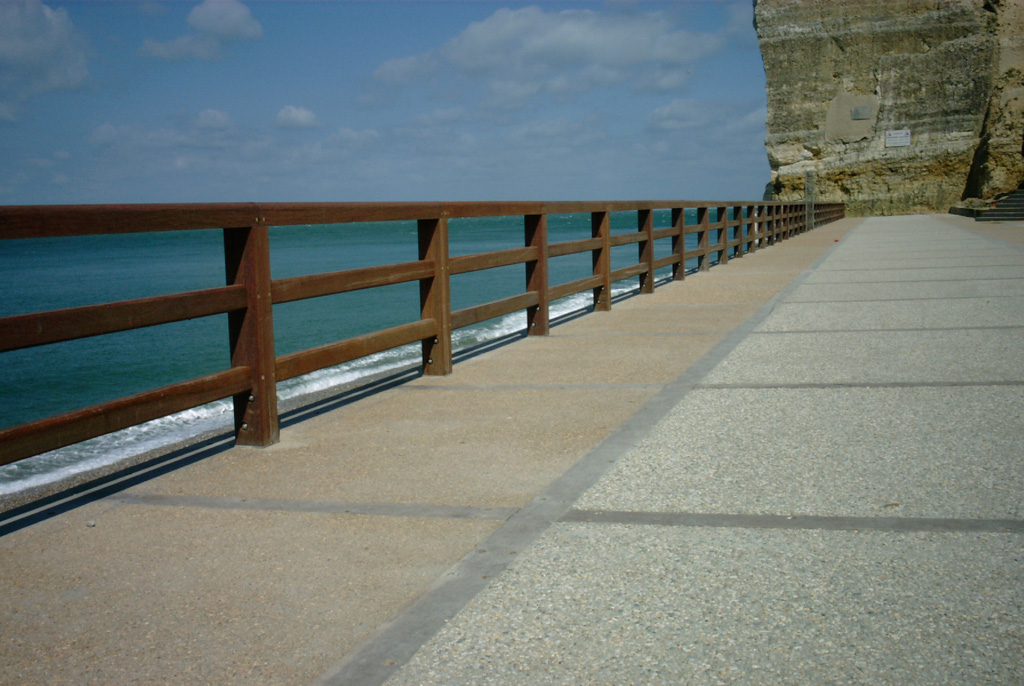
822 410
662 605
909 452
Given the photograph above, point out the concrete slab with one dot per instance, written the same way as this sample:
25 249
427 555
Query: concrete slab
879 290
130 594
882 261
969 356
929 313
661 317
442 446
929 429
1007 232
844 452
249 568
958 274
625 358
608 604
745 287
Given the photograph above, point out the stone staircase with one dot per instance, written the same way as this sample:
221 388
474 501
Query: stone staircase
1008 208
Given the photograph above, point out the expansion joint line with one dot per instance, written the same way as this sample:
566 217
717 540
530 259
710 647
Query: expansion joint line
823 523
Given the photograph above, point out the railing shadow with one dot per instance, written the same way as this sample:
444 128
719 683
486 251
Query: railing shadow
98 488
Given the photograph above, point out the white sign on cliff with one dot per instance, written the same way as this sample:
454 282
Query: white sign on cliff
899 138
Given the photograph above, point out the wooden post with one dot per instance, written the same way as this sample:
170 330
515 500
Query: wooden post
723 235
538 317
600 227
737 214
645 224
752 244
746 227
703 238
760 211
679 243
435 296
251 333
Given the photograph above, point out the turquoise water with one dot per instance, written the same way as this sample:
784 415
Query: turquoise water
45 274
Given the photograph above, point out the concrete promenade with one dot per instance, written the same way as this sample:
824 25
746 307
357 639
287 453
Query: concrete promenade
803 467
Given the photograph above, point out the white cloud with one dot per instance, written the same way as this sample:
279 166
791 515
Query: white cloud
228 19
215 22
40 51
104 135
719 139
722 116
213 119
292 117
402 70
522 53
199 47
441 117
352 138
210 129
563 133
681 114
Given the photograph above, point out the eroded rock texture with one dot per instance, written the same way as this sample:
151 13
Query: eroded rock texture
843 73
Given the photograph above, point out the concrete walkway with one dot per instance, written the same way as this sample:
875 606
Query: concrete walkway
805 466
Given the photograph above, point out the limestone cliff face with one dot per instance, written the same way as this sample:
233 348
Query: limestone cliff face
847 79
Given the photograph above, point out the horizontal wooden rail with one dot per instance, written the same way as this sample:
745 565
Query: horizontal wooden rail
496 308
42 221
55 326
306 361
574 247
491 260
317 285
668 260
574 287
617 239
626 272
247 298
65 429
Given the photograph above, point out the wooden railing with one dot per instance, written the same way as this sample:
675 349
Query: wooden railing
250 293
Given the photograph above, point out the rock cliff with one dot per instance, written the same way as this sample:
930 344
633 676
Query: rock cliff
895 106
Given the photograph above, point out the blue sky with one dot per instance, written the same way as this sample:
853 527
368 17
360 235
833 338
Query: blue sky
122 101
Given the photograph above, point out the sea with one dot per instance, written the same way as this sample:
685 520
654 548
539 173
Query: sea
52 273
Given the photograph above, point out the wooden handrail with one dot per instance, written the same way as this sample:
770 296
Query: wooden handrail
55 326
499 258
65 429
332 283
249 294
